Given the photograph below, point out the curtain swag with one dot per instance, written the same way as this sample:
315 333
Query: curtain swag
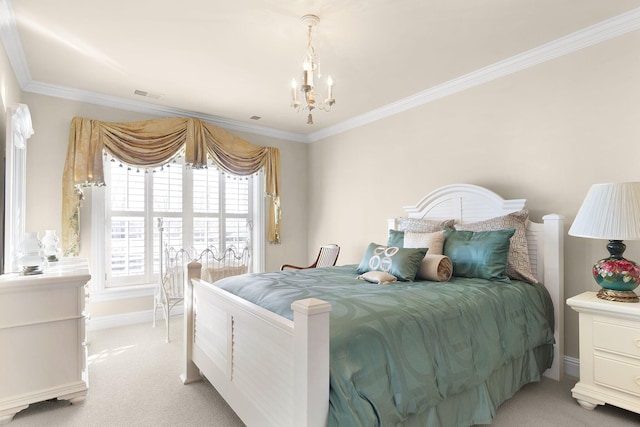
152 143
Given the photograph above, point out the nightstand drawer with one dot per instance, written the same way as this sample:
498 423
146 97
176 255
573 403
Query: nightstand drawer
617 374
618 338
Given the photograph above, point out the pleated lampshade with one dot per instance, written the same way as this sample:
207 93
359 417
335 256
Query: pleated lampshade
609 211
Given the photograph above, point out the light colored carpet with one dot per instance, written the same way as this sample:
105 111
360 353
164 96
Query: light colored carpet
549 404
133 381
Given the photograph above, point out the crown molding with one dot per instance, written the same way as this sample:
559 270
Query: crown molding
12 43
597 33
589 36
153 109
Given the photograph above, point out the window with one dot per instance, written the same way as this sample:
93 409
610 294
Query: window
197 208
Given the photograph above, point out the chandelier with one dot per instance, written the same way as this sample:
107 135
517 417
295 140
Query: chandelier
311 68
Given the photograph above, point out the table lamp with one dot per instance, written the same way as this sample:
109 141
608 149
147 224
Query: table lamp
612 212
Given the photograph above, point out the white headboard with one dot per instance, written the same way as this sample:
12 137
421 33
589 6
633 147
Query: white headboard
464 203
471 203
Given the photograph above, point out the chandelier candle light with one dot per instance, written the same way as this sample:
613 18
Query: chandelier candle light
311 67
612 212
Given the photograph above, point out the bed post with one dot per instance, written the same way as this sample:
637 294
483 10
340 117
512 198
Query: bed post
190 372
311 362
554 281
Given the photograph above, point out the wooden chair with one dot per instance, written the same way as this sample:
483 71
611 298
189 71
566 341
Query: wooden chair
327 257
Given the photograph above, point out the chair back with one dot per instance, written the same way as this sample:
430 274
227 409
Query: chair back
328 256
173 274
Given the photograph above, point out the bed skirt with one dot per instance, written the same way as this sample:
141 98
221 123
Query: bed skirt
479 404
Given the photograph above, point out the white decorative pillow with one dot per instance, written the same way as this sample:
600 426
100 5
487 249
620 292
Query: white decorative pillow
381 277
213 274
434 266
434 241
518 264
420 225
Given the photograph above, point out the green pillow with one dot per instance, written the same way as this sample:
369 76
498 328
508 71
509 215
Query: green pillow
401 262
396 238
481 254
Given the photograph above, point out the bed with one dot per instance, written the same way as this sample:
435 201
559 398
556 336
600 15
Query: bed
290 364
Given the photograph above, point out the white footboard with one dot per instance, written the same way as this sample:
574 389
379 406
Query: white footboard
270 370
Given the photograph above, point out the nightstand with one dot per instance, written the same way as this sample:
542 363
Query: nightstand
609 352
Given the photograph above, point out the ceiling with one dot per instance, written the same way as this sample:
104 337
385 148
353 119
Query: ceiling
227 61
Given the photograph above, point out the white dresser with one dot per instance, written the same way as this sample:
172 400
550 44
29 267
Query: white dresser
609 352
42 336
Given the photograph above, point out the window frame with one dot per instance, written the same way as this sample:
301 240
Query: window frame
99 291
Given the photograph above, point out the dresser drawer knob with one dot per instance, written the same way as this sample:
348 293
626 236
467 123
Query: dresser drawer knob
637 342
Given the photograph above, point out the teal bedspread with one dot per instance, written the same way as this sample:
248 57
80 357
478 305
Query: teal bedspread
418 353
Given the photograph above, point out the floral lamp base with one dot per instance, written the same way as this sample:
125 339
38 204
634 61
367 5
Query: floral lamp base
618 278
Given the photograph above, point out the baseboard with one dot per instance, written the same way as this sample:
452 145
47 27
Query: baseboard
572 367
146 316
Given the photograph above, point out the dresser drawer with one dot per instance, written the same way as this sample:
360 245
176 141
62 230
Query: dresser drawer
623 339
40 305
617 374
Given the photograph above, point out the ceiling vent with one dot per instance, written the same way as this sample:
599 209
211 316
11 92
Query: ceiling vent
147 94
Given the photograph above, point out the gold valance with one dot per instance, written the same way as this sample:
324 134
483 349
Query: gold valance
152 143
